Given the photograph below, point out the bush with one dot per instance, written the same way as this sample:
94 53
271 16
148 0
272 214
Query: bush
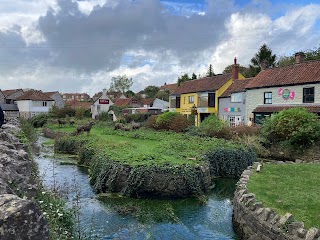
39 120
163 120
81 113
229 162
151 122
212 126
62 112
244 130
294 127
180 123
137 117
104 116
69 145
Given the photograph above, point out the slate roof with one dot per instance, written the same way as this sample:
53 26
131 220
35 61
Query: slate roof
315 108
236 86
301 73
34 95
9 107
49 94
203 84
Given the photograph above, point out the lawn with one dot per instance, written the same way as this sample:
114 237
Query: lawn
290 188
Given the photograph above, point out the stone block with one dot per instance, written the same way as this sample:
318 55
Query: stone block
312 234
286 219
293 227
301 232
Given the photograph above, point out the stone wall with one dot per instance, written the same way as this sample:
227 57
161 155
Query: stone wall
253 221
20 217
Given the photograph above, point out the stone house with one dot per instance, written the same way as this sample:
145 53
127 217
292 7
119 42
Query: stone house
232 103
32 103
199 97
275 89
101 104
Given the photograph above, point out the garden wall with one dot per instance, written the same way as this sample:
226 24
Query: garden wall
20 217
253 221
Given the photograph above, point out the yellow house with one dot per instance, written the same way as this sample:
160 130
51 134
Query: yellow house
200 96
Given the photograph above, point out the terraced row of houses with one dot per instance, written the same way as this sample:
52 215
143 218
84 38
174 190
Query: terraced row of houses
240 100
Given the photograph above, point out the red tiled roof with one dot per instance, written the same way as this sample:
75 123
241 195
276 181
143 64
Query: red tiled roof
49 94
315 108
79 104
121 102
302 73
203 84
236 86
147 101
9 92
170 87
34 95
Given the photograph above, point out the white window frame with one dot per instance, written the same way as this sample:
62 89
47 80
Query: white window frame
236 97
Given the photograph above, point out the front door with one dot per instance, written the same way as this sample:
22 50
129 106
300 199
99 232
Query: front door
238 120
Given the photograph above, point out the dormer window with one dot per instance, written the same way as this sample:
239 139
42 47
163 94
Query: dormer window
236 97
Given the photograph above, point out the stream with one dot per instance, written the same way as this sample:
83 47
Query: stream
113 217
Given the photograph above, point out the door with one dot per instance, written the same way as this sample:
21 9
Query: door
238 120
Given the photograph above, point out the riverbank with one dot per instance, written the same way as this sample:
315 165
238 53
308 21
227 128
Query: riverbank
279 202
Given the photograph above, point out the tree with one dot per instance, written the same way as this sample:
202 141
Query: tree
120 84
243 70
210 72
130 93
151 91
194 76
183 78
163 95
264 56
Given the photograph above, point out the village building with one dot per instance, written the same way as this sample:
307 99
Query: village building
32 103
101 104
56 96
232 103
76 96
279 88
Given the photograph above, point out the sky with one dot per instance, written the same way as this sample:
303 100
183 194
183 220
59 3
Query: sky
79 45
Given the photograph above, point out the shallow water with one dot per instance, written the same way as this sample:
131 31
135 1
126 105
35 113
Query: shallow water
104 218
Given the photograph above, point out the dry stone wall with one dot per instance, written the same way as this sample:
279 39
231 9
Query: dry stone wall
20 217
253 221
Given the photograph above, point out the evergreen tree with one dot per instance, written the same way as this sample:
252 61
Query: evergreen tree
183 78
210 72
264 56
194 76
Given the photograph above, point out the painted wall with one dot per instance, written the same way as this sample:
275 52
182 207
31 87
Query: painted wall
29 108
228 108
97 107
158 103
59 102
255 97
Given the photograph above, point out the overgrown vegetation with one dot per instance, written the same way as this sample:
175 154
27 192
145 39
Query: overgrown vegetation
289 188
294 128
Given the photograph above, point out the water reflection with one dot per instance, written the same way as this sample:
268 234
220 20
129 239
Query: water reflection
113 217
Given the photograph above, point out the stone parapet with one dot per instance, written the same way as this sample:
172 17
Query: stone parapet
251 220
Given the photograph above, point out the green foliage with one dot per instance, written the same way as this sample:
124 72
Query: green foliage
151 122
104 116
69 145
210 72
39 120
264 56
151 91
294 127
170 121
163 120
28 134
183 78
137 117
212 126
310 54
82 113
229 162
120 84
180 123
62 112
163 95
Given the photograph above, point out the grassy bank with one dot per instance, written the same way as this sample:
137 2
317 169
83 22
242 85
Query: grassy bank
290 188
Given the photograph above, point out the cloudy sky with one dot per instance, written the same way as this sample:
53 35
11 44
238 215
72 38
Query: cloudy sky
79 45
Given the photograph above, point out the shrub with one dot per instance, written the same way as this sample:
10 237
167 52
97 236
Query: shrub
104 116
179 123
294 127
137 117
62 112
229 162
212 126
244 130
151 122
81 113
69 145
163 120
39 120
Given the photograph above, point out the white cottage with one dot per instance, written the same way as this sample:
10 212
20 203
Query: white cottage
101 104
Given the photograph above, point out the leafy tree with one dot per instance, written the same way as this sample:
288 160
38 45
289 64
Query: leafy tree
130 93
151 91
311 54
264 56
243 70
210 72
194 76
164 95
183 78
120 84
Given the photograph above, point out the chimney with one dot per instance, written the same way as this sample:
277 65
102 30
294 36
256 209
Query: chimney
104 94
299 57
264 65
235 69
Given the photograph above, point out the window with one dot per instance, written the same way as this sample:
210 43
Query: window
44 104
232 121
178 102
191 99
236 97
173 102
211 99
267 98
308 95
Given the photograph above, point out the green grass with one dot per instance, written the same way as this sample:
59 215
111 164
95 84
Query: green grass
290 188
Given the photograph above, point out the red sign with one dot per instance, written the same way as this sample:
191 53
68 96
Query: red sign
103 101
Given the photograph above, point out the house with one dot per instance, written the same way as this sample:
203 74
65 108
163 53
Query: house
155 103
76 96
275 89
2 97
232 103
123 101
200 96
10 110
32 103
168 87
101 104
58 100
12 94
